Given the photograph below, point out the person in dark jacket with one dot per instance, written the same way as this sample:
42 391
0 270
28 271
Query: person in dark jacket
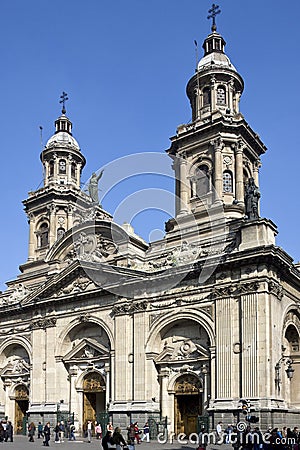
9 432
46 434
107 439
118 438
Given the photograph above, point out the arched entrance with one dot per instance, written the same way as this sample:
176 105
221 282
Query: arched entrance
188 403
93 396
21 407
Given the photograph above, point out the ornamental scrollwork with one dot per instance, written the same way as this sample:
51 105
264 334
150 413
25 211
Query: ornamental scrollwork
276 289
44 323
130 308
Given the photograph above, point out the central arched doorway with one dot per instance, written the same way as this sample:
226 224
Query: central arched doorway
93 396
21 408
188 403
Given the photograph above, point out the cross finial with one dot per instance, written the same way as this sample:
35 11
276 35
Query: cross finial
64 98
213 11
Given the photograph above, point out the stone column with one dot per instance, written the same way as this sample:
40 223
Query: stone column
164 381
230 94
52 224
78 171
107 390
73 370
239 178
32 238
213 93
139 357
184 187
218 145
38 386
46 173
112 374
69 217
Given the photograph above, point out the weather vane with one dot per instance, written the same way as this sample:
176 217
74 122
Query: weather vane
213 11
64 98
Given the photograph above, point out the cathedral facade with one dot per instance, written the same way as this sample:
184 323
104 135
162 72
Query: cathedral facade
100 323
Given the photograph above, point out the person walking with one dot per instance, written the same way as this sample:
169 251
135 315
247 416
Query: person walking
107 440
118 439
89 431
146 431
9 432
31 432
46 434
40 430
98 430
57 433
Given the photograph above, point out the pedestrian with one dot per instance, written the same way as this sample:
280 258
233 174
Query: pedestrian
9 432
146 431
137 433
89 431
31 432
57 433
46 434
219 433
118 438
72 433
62 431
107 440
110 427
40 430
98 430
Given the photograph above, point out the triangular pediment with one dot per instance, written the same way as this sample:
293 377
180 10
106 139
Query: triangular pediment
87 350
187 350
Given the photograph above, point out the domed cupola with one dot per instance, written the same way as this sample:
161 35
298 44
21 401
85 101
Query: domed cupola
216 86
62 159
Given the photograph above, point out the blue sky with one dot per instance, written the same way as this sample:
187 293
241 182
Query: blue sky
125 65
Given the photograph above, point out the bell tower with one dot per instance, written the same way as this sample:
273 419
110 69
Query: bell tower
216 156
52 209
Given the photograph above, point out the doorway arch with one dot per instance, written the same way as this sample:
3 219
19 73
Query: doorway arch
93 396
21 407
188 403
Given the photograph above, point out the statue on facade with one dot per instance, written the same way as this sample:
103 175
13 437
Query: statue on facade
93 186
252 196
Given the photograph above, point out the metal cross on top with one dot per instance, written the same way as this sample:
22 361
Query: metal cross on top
213 11
64 98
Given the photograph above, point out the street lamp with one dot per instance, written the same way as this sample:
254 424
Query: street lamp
290 371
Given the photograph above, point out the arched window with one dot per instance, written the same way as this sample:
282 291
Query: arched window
43 235
73 170
227 181
62 166
206 96
202 180
51 168
221 95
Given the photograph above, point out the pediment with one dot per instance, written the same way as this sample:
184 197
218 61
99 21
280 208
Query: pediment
87 349
71 280
16 368
185 350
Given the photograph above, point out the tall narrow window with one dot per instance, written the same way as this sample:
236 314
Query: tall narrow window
73 170
221 95
206 96
227 181
62 166
202 180
43 235
51 168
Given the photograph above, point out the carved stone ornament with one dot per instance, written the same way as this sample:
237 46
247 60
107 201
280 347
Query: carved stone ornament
188 384
93 382
276 289
130 308
79 285
46 322
92 247
235 290
15 295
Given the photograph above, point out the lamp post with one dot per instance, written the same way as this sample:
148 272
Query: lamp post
289 371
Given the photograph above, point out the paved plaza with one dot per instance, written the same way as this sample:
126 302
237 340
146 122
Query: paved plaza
22 443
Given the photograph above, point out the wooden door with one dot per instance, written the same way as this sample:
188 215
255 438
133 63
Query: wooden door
21 408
